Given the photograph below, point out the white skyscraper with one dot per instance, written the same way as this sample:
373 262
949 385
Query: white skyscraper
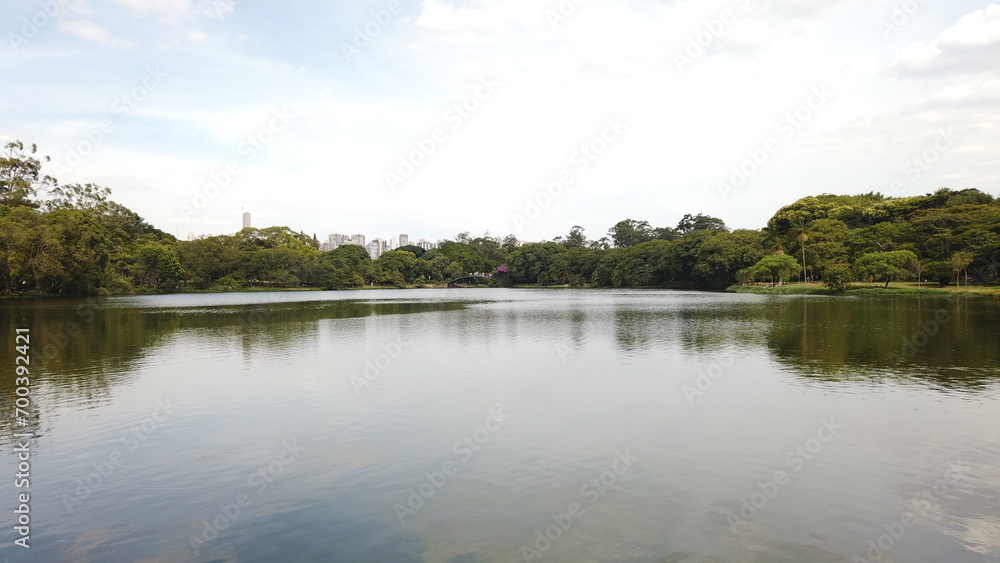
246 219
404 240
375 248
338 239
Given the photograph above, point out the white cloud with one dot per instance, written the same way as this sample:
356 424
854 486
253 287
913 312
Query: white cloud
972 45
163 10
795 8
89 31
217 9
481 23
174 11
557 85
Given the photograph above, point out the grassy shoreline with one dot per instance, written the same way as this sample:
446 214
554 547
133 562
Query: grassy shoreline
855 289
867 289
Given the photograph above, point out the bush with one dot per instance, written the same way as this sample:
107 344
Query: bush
836 276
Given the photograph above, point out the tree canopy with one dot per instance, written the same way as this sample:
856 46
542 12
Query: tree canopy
74 240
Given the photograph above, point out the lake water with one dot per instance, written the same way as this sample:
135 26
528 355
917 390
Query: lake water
506 425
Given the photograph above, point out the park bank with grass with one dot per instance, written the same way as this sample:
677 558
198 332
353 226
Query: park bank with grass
868 289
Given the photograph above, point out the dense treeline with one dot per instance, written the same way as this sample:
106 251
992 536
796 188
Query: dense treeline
945 236
279 257
73 240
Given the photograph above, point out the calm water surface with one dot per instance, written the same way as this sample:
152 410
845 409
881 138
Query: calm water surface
507 425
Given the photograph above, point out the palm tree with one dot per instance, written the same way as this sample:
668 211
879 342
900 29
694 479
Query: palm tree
774 241
801 233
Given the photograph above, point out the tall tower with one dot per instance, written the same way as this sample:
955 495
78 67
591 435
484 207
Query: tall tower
246 219
404 240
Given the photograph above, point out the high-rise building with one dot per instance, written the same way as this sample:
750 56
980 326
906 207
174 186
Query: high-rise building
404 240
375 248
246 219
358 239
337 239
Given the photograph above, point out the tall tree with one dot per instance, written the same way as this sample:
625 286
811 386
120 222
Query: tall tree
700 222
959 262
630 233
575 238
21 175
826 245
89 197
801 232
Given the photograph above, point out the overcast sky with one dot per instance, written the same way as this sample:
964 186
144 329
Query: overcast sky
436 117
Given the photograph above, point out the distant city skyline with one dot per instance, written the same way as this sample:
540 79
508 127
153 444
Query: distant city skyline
375 246
333 240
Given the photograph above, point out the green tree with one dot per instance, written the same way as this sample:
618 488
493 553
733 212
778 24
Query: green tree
690 223
938 270
467 257
630 233
775 267
575 238
837 275
490 247
684 256
412 248
581 262
603 272
21 175
71 251
631 271
886 265
659 254
883 237
352 267
800 233
530 261
723 254
509 244
86 197
400 263
774 240
827 245
856 211
207 260
603 243
18 231
665 233
959 262
156 266
559 272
